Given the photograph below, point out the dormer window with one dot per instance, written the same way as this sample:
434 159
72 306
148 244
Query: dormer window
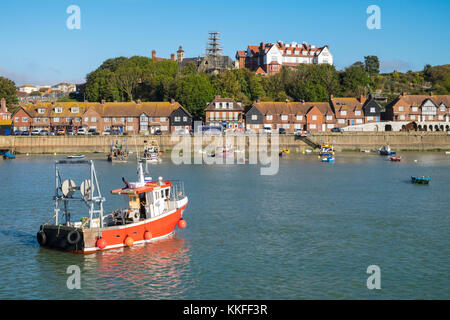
41 110
230 105
442 108
74 109
357 113
343 112
58 110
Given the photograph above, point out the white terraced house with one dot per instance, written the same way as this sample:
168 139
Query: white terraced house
267 58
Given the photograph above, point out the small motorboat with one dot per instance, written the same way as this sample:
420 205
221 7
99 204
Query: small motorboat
420 180
75 157
386 151
151 153
7 155
327 150
284 152
327 159
398 158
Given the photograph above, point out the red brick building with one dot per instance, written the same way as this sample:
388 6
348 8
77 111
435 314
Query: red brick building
225 112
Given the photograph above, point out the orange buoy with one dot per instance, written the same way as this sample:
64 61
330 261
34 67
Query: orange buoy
101 243
147 235
182 223
129 241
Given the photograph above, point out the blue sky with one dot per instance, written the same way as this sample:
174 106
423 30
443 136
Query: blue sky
36 46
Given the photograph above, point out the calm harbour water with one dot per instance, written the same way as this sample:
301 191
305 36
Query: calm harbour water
309 232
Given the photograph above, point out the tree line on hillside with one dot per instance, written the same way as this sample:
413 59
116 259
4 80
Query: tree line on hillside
128 79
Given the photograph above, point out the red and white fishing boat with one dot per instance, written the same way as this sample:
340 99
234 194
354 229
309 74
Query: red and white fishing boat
154 209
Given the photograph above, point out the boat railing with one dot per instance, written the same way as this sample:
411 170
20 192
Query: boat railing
177 190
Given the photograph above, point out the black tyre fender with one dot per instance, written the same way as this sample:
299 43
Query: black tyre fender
41 238
70 236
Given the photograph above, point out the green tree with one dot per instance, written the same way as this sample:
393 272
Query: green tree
9 92
355 81
194 91
372 65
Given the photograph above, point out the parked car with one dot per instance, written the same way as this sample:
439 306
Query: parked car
17 133
81 131
25 133
35 132
158 132
337 130
91 131
302 133
267 130
43 132
70 132
115 132
282 131
61 132
52 133
107 132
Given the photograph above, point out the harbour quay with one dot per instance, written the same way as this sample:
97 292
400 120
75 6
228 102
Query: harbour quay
343 141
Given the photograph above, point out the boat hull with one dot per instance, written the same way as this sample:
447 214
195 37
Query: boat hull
57 237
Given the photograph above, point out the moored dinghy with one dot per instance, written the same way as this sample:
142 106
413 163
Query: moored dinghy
420 180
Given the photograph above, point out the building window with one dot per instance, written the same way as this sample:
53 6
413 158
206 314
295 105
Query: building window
177 119
369 118
211 116
45 119
130 128
312 126
163 128
314 117
58 110
86 119
256 126
297 126
357 113
93 119
122 119
400 108
163 119
185 119
56 119
341 121
269 117
299 117
441 117
329 117
286 125
41 110
413 117
414 109
150 119
16 119
24 119
430 117
402 117
359 120
330 126
74 109
343 113
37 120
372 110
254 117
284 117
130 119
107 120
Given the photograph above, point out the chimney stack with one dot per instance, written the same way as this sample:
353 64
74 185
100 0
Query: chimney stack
362 99
331 97
172 56
172 101
153 54
431 93
138 102
403 94
258 100
3 105
103 101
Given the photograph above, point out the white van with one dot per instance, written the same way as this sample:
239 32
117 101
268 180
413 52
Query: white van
81 131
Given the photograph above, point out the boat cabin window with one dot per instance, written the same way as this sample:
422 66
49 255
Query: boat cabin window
134 202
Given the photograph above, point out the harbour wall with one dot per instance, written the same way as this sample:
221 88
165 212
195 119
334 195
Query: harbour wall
347 141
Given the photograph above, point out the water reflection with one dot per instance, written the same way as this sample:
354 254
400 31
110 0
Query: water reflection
158 270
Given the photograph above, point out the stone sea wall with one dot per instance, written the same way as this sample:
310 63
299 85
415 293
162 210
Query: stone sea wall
347 141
